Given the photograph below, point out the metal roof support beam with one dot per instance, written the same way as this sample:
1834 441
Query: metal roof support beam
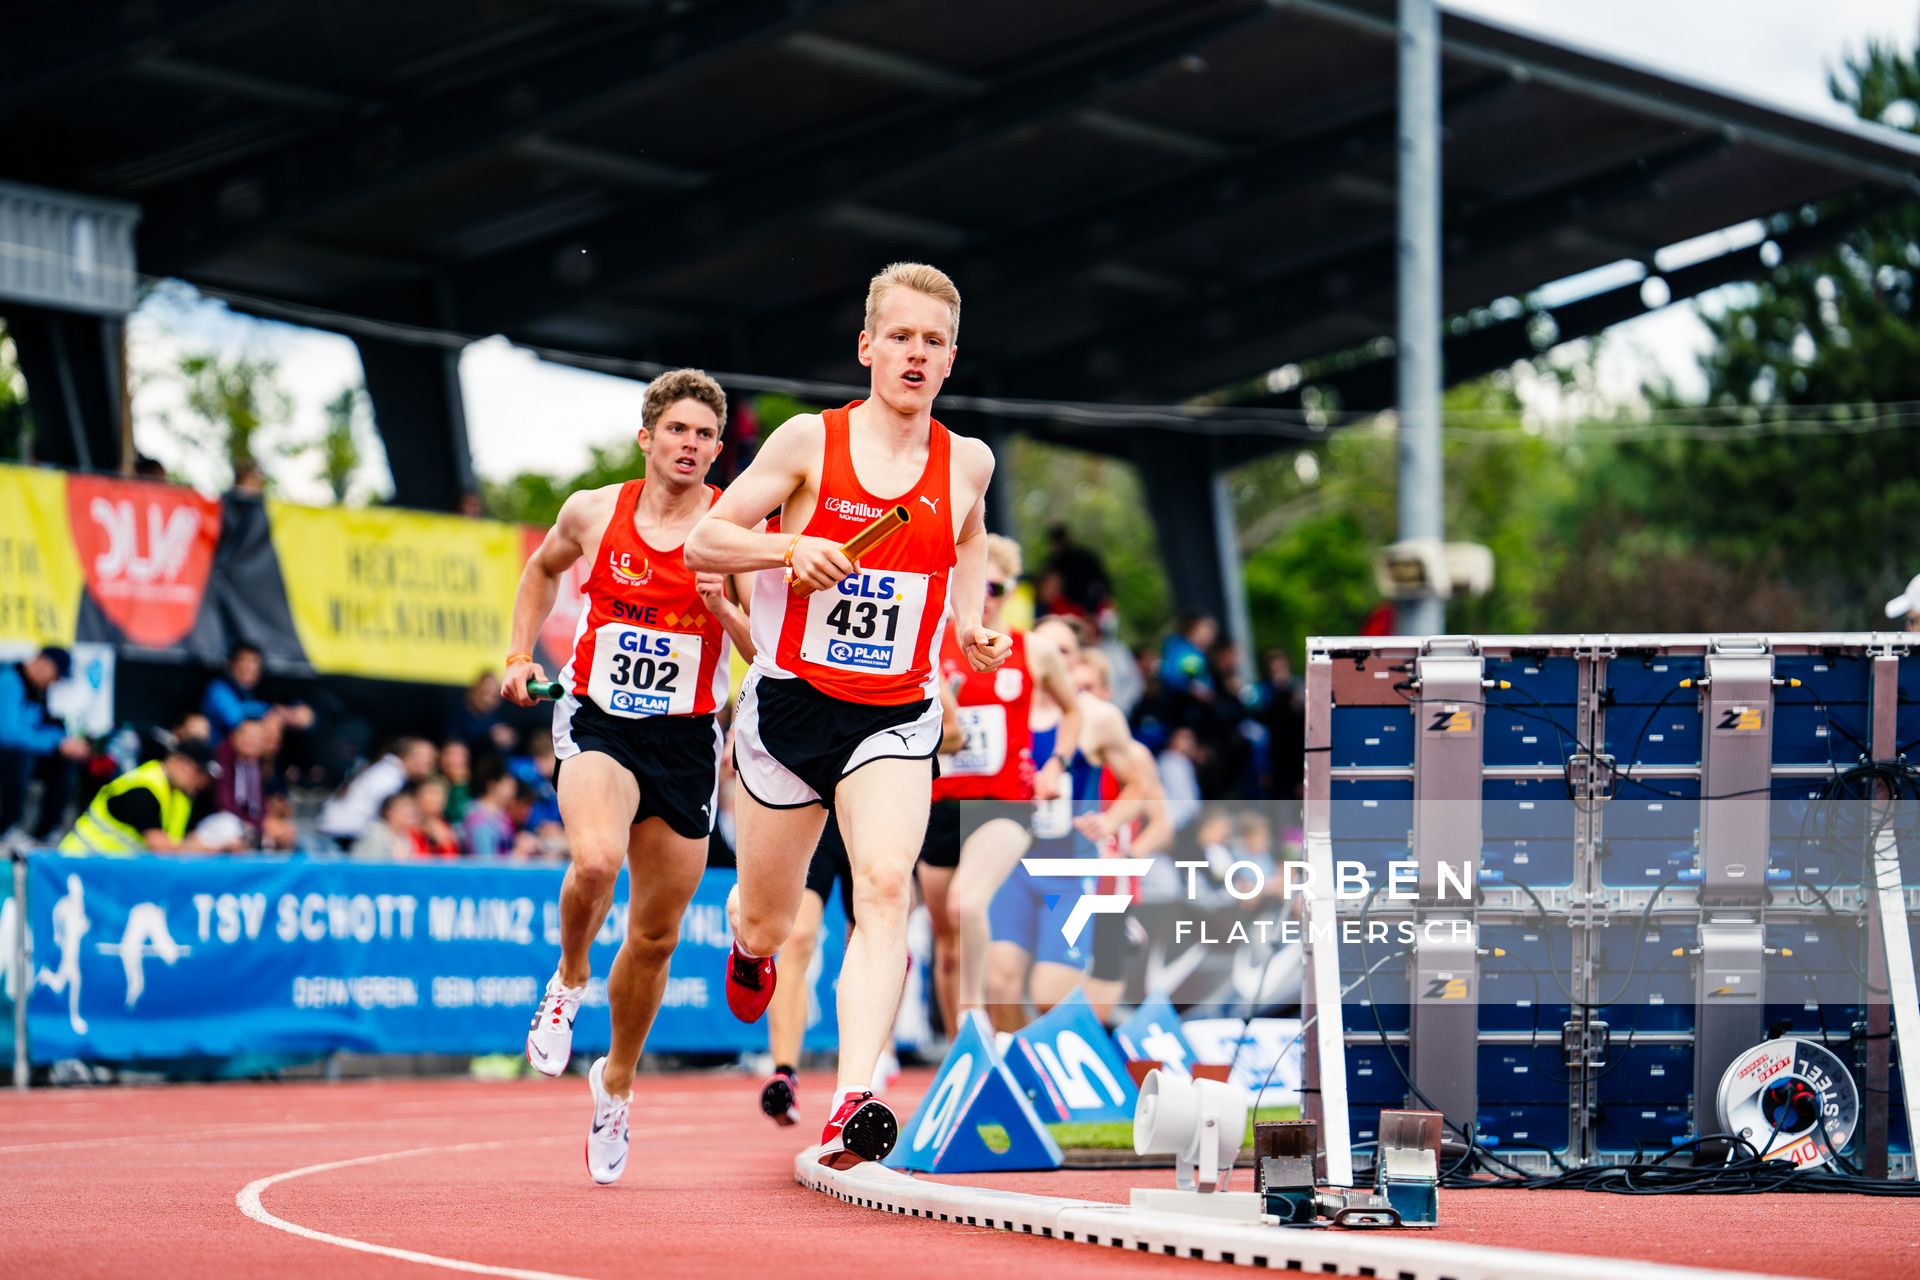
74 40
1251 324
1192 510
1101 232
517 287
73 366
1422 507
1482 351
1882 155
422 420
219 211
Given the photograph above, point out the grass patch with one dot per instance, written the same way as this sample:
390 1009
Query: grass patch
1115 1135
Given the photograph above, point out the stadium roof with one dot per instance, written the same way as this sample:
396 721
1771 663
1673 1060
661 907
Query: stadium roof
1141 199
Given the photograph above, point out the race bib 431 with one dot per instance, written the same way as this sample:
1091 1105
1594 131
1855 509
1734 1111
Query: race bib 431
868 622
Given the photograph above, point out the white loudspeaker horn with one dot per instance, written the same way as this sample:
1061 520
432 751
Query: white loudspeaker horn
1197 1122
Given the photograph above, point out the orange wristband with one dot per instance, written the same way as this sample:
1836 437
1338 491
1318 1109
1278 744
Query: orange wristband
787 559
518 657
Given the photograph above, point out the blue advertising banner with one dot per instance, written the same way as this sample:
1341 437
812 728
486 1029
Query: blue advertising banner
137 959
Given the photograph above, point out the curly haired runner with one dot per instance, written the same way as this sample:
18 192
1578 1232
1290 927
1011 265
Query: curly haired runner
839 710
634 730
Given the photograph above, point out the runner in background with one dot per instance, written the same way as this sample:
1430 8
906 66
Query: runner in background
1031 958
1117 937
984 797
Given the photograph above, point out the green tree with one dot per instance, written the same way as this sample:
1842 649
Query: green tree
240 407
1310 521
339 443
1102 502
16 424
1806 489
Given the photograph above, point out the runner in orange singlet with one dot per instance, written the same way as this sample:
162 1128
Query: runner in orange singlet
839 709
634 732
983 800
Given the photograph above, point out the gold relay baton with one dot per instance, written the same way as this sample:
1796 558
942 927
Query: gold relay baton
882 528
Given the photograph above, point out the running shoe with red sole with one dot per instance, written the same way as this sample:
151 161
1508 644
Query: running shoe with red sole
550 1038
863 1128
780 1098
749 984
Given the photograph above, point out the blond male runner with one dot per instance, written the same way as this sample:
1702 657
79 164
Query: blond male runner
839 709
634 731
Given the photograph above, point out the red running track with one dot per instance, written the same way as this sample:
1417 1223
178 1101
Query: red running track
142 1182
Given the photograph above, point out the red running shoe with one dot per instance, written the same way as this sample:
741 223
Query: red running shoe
780 1098
863 1128
749 984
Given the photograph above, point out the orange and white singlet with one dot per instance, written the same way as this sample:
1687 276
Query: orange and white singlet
995 759
871 638
646 644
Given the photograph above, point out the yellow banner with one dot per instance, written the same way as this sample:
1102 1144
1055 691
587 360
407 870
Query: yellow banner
40 579
398 595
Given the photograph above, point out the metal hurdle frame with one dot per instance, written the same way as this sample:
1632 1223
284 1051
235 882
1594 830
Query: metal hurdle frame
1731 901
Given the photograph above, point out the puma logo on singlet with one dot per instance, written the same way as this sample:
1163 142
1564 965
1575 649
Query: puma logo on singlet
931 502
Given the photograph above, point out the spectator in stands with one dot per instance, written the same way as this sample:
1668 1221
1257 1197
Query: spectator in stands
352 810
145 468
471 505
33 744
277 831
248 480
1283 710
1183 658
456 770
1905 607
390 836
1080 580
480 722
1235 737
537 769
487 831
232 697
241 788
148 808
434 836
1179 768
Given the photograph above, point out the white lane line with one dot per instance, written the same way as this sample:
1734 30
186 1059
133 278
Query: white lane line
249 1202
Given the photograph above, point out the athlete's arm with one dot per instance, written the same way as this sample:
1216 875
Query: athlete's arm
733 620
1104 741
1049 669
967 591
731 537
1157 832
952 735
539 585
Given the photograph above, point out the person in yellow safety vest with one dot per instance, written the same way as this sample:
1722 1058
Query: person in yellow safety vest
146 810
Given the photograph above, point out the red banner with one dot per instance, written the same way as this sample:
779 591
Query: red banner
146 550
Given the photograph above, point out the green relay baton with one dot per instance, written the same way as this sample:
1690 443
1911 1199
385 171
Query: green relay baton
549 689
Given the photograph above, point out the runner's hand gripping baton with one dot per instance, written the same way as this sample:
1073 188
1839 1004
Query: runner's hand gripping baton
867 539
549 689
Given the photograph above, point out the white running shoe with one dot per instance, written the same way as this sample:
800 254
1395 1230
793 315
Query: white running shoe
607 1140
550 1038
